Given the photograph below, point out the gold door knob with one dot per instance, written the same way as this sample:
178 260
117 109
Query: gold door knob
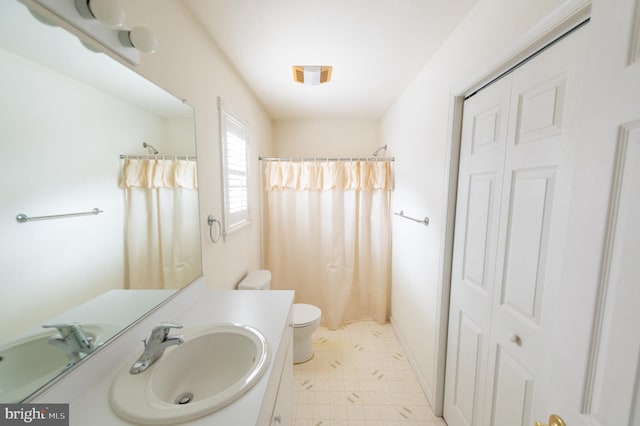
554 420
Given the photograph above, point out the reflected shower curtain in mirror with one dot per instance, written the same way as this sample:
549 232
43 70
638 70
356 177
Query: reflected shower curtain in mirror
162 234
327 236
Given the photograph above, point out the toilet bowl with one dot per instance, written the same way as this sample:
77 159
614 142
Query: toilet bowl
306 318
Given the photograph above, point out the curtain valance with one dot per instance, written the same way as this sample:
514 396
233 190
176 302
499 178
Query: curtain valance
159 173
326 175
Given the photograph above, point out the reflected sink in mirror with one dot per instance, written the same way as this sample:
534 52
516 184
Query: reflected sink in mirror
30 362
213 367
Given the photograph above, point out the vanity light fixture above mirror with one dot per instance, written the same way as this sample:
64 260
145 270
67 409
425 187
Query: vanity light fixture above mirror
109 12
104 22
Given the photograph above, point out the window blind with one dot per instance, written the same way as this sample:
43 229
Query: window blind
235 169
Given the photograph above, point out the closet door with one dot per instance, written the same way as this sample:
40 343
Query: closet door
514 185
546 97
484 136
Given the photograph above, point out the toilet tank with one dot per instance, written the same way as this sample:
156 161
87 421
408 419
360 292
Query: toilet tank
256 280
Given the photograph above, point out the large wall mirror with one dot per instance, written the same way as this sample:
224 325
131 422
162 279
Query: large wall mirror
72 128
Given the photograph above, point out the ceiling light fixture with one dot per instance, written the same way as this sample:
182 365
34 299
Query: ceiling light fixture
311 74
103 21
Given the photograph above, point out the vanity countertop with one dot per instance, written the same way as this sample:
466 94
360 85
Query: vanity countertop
267 311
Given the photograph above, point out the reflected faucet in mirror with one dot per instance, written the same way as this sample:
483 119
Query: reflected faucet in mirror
155 346
72 340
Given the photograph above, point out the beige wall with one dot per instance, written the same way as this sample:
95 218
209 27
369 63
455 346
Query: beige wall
189 65
325 138
416 130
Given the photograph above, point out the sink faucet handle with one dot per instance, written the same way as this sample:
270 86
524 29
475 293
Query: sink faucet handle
168 325
165 327
71 330
155 345
71 339
161 331
65 328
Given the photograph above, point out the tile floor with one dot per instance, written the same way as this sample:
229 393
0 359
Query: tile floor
359 375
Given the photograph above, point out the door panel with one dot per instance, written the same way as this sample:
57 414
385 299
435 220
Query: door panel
617 390
540 111
534 212
509 239
487 130
467 367
609 258
526 251
479 212
512 392
480 185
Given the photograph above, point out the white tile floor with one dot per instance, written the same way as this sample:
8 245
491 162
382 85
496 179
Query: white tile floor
359 375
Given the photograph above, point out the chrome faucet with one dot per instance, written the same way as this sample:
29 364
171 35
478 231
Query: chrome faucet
155 346
71 340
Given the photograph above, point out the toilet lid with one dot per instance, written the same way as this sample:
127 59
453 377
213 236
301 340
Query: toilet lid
304 314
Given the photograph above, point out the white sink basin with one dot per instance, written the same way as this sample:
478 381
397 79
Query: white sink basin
28 363
213 367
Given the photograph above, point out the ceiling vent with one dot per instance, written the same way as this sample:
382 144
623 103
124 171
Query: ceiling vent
311 74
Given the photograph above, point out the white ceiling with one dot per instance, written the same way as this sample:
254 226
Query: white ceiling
376 47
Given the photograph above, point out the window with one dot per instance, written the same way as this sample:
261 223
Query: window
234 145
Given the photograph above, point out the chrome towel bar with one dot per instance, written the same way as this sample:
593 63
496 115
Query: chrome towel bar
424 221
22 218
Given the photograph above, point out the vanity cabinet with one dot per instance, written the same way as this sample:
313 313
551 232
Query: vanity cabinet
277 404
283 408
269 402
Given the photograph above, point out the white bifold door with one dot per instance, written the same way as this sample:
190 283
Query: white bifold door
514 189
545 291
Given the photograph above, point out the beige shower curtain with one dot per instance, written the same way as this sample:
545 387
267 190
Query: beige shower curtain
162 237
327 230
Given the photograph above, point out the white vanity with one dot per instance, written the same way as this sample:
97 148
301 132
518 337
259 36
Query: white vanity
268 402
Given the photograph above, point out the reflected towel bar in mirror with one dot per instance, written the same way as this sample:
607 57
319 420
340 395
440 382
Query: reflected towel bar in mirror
22 218
424 221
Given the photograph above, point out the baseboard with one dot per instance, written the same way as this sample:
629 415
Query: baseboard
414 366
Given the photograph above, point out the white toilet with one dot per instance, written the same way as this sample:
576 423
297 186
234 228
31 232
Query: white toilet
306 318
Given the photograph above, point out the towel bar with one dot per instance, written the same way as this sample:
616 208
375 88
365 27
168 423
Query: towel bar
424 221
22 218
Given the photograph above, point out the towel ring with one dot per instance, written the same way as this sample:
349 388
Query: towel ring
211 220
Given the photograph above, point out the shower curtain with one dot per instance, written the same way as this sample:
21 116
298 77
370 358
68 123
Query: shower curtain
162 237
327 236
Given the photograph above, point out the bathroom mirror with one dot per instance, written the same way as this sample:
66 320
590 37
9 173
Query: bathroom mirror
67 115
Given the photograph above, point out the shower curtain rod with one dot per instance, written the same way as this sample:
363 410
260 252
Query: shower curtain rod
158 157
303 159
